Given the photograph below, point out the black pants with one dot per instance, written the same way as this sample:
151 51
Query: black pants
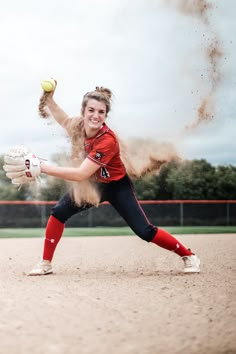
120 194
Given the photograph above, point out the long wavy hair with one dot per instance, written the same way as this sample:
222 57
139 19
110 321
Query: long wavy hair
131 153
85 191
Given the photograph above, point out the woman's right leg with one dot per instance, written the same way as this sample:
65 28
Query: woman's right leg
60 213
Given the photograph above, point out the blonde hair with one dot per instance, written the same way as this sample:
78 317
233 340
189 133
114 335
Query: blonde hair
101 94
85 191
76 129
131 153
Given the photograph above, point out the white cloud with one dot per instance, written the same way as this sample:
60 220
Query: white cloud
149 54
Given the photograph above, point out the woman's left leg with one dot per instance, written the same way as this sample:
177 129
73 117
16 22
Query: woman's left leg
122 196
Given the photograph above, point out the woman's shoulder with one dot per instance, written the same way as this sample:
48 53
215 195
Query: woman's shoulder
108 134
106 139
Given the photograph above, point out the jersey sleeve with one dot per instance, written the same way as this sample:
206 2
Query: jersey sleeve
104 150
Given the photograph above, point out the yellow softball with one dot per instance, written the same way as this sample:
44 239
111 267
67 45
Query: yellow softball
48 85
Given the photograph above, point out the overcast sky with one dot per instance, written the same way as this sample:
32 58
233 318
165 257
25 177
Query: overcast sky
152 55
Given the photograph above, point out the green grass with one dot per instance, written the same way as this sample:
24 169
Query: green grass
114 231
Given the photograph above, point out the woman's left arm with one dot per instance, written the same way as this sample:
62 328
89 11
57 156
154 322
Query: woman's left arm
76 174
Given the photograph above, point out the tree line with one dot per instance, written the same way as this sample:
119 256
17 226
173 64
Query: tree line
183 180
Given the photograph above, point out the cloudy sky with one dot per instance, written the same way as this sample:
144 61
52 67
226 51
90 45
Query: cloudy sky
163 60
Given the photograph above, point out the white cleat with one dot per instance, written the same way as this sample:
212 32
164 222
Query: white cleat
191 264
42 268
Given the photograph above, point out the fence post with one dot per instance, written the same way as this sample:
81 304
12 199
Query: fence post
43 215
227 213
181 214
90 217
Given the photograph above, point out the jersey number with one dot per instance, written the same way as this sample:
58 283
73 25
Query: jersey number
104 173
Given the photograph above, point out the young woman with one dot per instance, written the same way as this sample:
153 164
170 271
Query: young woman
96 159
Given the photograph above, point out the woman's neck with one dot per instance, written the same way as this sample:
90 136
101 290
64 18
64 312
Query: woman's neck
90 133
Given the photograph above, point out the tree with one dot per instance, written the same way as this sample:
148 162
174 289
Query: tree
226 182
193 180
164 190
146 187
196 179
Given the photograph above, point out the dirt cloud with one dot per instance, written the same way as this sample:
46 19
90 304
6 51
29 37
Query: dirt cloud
201 9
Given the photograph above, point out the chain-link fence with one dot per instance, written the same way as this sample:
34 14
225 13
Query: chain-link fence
15 214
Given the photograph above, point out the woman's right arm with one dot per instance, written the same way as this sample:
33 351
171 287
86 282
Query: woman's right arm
57 112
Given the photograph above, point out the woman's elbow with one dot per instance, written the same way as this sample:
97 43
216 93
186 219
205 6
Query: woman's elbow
80 177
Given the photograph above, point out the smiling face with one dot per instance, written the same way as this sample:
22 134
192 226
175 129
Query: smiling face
94 115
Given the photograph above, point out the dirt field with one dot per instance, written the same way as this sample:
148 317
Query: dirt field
118 295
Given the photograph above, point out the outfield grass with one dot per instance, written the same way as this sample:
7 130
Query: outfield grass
114 231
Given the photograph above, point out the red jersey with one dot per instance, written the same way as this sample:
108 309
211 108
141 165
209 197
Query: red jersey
104 150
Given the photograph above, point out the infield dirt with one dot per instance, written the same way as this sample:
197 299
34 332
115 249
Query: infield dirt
118 295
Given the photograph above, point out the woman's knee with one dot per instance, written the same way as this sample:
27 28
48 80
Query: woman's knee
64 209
59 213
147 233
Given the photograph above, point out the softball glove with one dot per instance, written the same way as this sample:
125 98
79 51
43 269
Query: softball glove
21 166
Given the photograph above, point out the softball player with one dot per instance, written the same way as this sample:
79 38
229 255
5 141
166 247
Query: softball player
103 166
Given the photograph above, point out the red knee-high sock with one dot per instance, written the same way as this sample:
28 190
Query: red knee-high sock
167 241
54 231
